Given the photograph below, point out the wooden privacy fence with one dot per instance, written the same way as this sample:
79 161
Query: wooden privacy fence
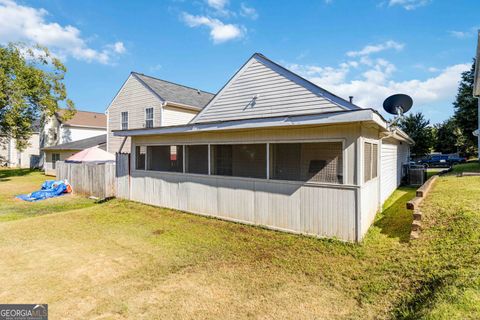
90 179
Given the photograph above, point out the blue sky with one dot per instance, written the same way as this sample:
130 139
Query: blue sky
368 49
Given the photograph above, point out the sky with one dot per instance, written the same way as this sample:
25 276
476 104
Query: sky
368 49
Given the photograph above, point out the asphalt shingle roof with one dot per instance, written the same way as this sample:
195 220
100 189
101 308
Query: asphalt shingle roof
80 144
178 93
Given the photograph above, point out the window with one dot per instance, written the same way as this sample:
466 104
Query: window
125 120
55 158
314 162
240 160
165 158
149 118
196 159
140 152
370 161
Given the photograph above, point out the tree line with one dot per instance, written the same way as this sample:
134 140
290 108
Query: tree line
454 135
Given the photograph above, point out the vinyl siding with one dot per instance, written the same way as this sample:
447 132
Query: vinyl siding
134 98
70 133
277 95
394 155
48 167
26 159
176 116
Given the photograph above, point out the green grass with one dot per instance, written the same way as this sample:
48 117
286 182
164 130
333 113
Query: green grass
20 181
471 166
121 259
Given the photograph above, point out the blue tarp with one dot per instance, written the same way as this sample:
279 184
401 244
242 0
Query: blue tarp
50 189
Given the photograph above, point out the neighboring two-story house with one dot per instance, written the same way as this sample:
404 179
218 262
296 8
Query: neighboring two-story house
147 102
10 156
84 125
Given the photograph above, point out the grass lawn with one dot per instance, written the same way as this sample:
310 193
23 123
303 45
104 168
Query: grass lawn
121 259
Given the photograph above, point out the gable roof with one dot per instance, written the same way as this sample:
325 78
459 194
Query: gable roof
85 119
80 144
262 88
176 93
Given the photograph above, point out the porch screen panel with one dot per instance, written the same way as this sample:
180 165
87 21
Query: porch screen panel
140 157
197 159
313 162
165 158
240 160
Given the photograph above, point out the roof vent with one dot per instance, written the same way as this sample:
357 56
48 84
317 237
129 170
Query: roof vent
198 91
350 98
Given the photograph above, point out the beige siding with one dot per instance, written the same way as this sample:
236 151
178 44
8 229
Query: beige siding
277 94
176 116
48 166
134 98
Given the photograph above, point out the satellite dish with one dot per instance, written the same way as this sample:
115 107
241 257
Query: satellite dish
398 104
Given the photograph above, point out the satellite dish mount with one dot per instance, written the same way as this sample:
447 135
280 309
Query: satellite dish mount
398 105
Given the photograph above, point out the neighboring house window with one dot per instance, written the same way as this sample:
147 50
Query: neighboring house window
55 158
165 158
370 161
149 118
125 120
140 152
310 161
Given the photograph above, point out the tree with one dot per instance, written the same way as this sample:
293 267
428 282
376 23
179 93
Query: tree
449 137
31 85
466 110
417 127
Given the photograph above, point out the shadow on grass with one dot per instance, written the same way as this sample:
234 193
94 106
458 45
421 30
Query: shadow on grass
395 220
7 173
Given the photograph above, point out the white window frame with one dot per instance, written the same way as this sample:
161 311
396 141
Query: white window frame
121 119
153 117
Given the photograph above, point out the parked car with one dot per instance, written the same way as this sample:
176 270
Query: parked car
456 159
441 160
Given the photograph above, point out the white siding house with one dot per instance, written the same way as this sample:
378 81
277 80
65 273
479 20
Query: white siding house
56 131
172 104
10 156
275 150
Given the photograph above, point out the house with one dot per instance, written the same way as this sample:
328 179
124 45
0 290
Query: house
275 150
10 156
83 125
63 151
476 90
147 102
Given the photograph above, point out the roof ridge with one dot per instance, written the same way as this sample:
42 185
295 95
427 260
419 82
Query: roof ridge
177 84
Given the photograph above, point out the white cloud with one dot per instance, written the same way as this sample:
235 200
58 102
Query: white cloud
464 34
119 47
219 31
217 4
367 50
409 4
28 24
248 12
375 83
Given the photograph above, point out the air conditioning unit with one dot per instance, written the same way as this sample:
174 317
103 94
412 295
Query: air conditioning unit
417 175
